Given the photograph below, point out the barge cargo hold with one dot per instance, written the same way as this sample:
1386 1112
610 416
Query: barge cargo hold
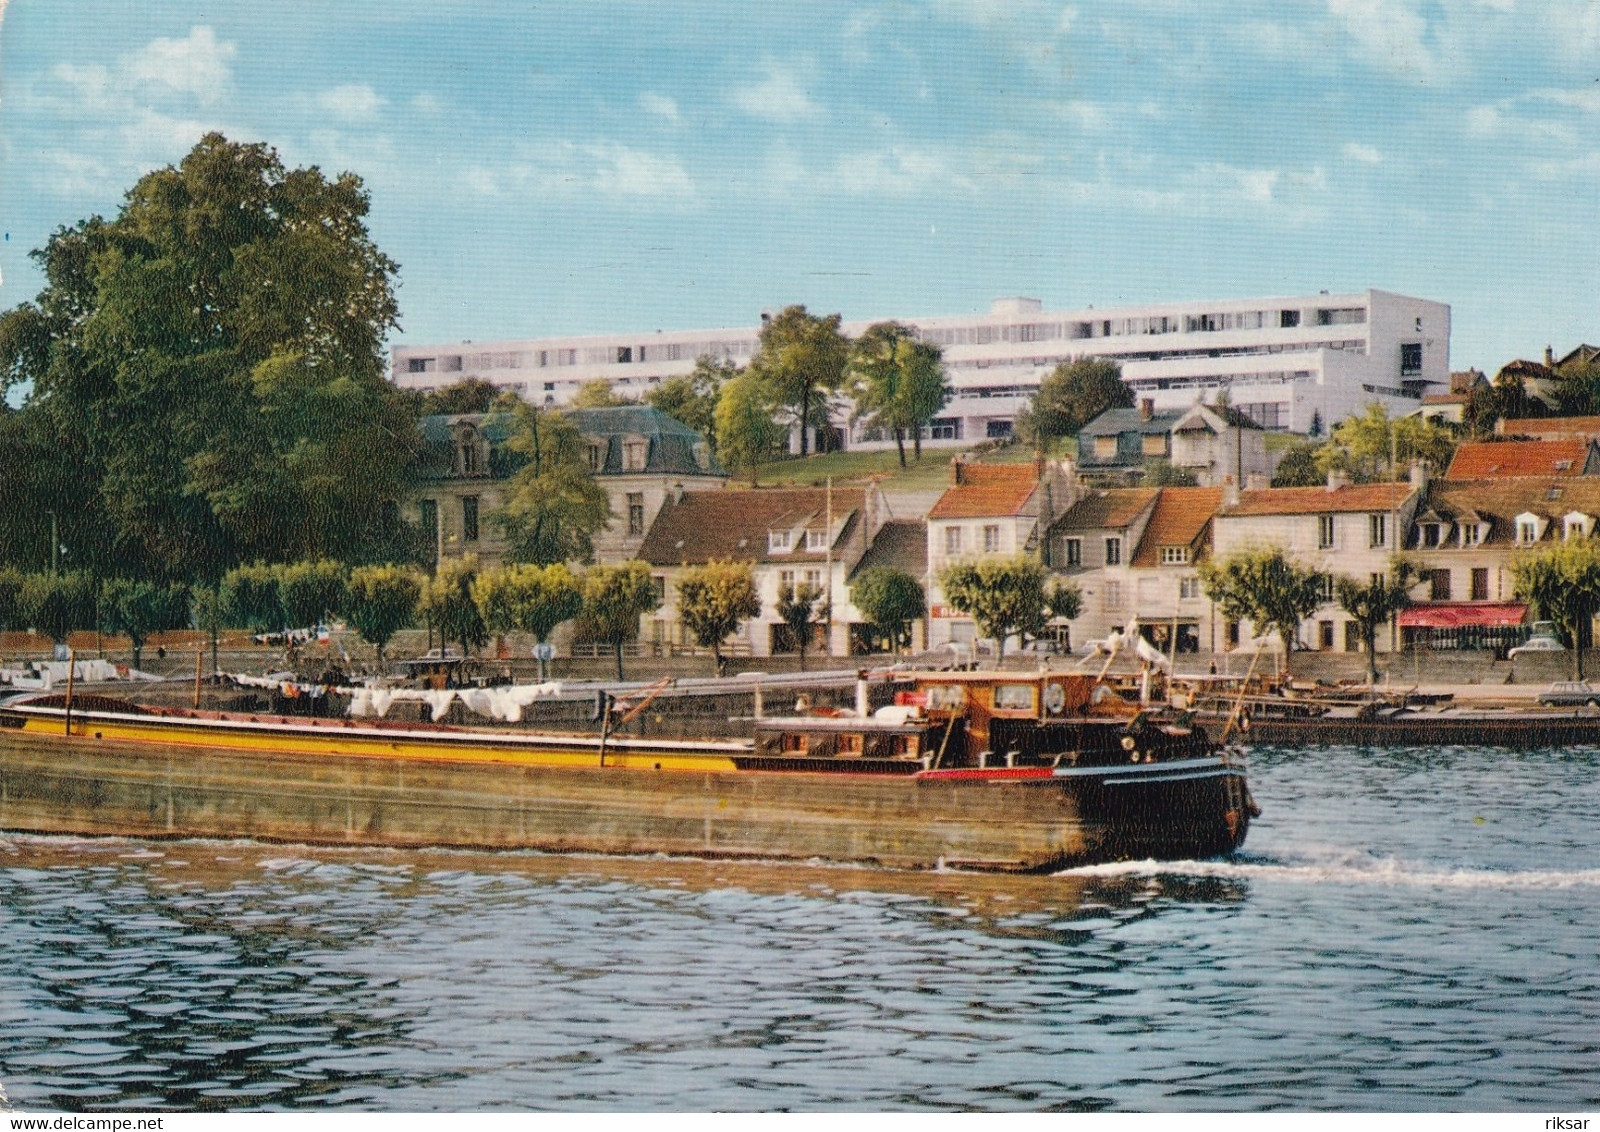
992 771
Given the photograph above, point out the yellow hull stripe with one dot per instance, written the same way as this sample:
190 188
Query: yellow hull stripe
367 745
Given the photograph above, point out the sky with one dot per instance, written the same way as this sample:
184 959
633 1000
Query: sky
570 168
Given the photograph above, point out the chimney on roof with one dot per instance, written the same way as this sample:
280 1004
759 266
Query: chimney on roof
1230 492
958 470
1039 466
1337 478
1419 475
1147 408
1549 356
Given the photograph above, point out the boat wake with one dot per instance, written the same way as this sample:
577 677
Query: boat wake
1348 868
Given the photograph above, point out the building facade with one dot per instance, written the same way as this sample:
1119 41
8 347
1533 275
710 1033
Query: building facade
640 456
1282 361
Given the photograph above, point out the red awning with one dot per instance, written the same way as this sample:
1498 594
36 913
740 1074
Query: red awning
1457 615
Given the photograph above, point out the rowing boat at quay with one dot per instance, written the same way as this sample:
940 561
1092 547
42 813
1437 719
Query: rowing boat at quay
992 771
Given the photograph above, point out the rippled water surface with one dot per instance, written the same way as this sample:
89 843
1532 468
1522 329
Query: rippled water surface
1406 930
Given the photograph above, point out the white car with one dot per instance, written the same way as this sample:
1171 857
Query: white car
1538 644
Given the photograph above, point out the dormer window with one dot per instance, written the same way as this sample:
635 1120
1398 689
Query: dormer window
468 458
1575 524
1563 465
1174 556
597 458
1471 534
635 452
1430 534
816 540
1530 528
778 541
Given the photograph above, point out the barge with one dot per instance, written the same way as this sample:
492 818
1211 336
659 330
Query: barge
990 771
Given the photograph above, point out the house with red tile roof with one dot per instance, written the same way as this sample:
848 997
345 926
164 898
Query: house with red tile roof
1466 534
1339 528
991 510
790 537
1505 459
1135 554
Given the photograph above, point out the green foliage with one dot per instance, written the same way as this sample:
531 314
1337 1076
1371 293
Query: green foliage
747 432
58 604
1161 473
11 608
471 395
380 601
598 394
797 607
209 375
529 599
1071 396
1064 601
1315 429
614 598
135 609
1005 596
1563 582
1369 446
1373 602
552 506
692 398
310 591
801 358
1298 467
713 599
1265 587
897 381
1579 391
447 600
251 597
890 600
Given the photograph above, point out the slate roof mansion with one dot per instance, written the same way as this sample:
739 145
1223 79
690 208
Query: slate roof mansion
1282 360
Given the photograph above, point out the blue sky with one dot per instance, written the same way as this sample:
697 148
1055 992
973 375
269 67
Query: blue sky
590 167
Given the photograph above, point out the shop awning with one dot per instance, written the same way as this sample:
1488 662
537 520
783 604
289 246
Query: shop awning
1461 614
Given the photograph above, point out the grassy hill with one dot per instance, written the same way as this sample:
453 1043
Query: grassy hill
932 471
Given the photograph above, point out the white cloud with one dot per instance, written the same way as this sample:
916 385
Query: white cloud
353 102
1389 33
92 83
564 169
780 97
1366 154
427 103
196 66
660 105
1091 117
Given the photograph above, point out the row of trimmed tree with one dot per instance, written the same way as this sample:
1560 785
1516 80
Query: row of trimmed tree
1272 591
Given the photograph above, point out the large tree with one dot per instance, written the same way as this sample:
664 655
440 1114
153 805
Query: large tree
801 359
380 601
447 600
691 399
1070 396
802 610
529 599
1563 582
1373 602
1266 587
898 382
208 367
614 598
135 609
1005 596
890 600
747 434
1369 446
713 599
469 395
552 505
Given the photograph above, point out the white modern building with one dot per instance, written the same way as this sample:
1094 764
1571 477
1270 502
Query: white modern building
1282 361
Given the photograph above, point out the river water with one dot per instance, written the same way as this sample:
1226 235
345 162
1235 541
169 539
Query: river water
1405 930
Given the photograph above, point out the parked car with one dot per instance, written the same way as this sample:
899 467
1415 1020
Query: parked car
1543 639
1571 693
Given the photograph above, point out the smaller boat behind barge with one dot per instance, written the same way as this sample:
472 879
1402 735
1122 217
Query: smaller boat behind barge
994 771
